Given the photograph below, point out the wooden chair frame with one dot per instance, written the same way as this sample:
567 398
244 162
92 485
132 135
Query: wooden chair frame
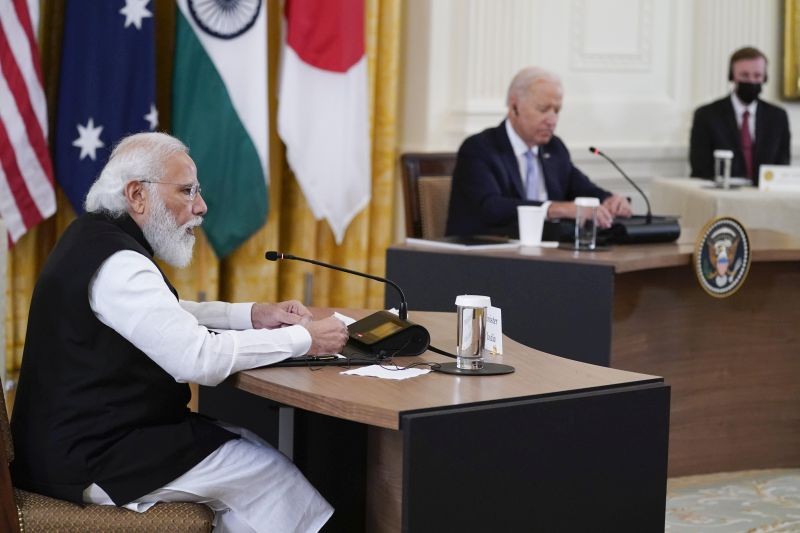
415 166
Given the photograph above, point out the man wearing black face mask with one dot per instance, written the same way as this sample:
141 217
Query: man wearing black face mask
756 131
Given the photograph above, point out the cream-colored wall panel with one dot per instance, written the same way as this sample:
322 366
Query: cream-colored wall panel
722 26
500 37
620 42
633 70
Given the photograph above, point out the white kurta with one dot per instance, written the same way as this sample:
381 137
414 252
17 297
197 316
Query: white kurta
250 485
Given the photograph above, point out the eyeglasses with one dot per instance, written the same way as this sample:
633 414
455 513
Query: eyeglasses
189 190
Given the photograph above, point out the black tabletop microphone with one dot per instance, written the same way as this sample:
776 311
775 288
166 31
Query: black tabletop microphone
649 216
637 229
381 334
402 312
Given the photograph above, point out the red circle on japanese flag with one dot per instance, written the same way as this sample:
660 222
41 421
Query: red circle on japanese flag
326 34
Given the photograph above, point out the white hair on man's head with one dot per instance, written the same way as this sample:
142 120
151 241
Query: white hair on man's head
141 156
525 78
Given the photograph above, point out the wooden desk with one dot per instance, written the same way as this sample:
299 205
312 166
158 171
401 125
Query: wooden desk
521 452
696 203
732 364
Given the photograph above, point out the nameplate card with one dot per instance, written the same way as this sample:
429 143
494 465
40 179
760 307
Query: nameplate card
494 331
779 178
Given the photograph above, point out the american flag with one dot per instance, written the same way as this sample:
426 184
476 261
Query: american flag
27 194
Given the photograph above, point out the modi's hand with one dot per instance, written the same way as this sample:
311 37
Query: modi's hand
328 336
278 315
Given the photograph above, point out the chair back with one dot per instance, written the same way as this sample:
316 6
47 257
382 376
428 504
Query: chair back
9 520
426 189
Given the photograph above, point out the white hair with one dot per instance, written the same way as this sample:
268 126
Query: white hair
525 78
141 156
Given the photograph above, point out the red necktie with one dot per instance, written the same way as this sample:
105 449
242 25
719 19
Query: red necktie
747 144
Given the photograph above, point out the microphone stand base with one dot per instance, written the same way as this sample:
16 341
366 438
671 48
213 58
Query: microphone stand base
489 369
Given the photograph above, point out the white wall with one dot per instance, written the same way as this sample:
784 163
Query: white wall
633 72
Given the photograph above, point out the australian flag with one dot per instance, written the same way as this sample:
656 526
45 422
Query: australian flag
106 89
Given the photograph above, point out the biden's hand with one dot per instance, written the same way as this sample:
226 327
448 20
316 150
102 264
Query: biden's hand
618 206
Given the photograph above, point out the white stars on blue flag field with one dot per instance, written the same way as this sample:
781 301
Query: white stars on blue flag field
89 139
135 11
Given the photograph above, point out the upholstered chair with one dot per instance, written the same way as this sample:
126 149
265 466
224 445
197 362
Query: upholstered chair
22 511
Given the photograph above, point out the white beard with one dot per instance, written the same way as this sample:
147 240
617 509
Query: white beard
171 243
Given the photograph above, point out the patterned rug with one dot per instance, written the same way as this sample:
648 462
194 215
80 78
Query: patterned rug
755 501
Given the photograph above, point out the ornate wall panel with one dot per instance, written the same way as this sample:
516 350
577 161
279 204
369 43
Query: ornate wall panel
623 43
633 70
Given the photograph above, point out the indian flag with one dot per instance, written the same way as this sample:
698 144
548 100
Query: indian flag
219 109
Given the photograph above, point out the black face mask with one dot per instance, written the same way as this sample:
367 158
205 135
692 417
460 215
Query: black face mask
747 92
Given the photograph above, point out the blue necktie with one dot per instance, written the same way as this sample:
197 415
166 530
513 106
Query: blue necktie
531 176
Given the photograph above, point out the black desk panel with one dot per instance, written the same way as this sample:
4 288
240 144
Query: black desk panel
562 308
592 461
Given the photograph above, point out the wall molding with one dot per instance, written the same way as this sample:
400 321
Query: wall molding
634 94
583 59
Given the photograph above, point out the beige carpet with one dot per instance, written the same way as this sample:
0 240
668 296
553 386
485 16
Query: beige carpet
756 501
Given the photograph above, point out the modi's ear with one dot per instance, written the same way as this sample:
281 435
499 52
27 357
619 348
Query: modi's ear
136 196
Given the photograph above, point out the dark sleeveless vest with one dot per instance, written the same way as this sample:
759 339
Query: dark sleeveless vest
90 407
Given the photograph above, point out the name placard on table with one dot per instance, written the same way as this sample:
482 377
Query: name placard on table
779 178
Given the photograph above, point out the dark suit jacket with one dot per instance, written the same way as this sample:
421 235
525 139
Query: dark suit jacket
487 186
714 128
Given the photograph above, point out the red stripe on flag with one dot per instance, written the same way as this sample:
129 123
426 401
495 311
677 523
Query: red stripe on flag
328 35
19 190
16 84
24 16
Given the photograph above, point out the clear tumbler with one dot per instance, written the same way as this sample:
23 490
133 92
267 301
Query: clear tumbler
586 223
471 330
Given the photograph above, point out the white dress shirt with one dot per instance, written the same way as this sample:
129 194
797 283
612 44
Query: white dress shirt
739 109
520 149
128 294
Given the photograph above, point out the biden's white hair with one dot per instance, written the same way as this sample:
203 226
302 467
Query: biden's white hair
525 78
138 157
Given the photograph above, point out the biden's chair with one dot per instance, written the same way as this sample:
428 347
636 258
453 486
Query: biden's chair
426 188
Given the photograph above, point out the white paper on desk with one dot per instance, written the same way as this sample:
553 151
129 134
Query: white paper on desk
344 318
377 371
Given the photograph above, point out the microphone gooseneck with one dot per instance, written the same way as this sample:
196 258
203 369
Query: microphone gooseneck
402 312
649 216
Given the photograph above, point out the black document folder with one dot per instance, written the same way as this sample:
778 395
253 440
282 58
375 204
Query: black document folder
352 357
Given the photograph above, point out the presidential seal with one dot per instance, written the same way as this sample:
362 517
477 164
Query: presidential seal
722 257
